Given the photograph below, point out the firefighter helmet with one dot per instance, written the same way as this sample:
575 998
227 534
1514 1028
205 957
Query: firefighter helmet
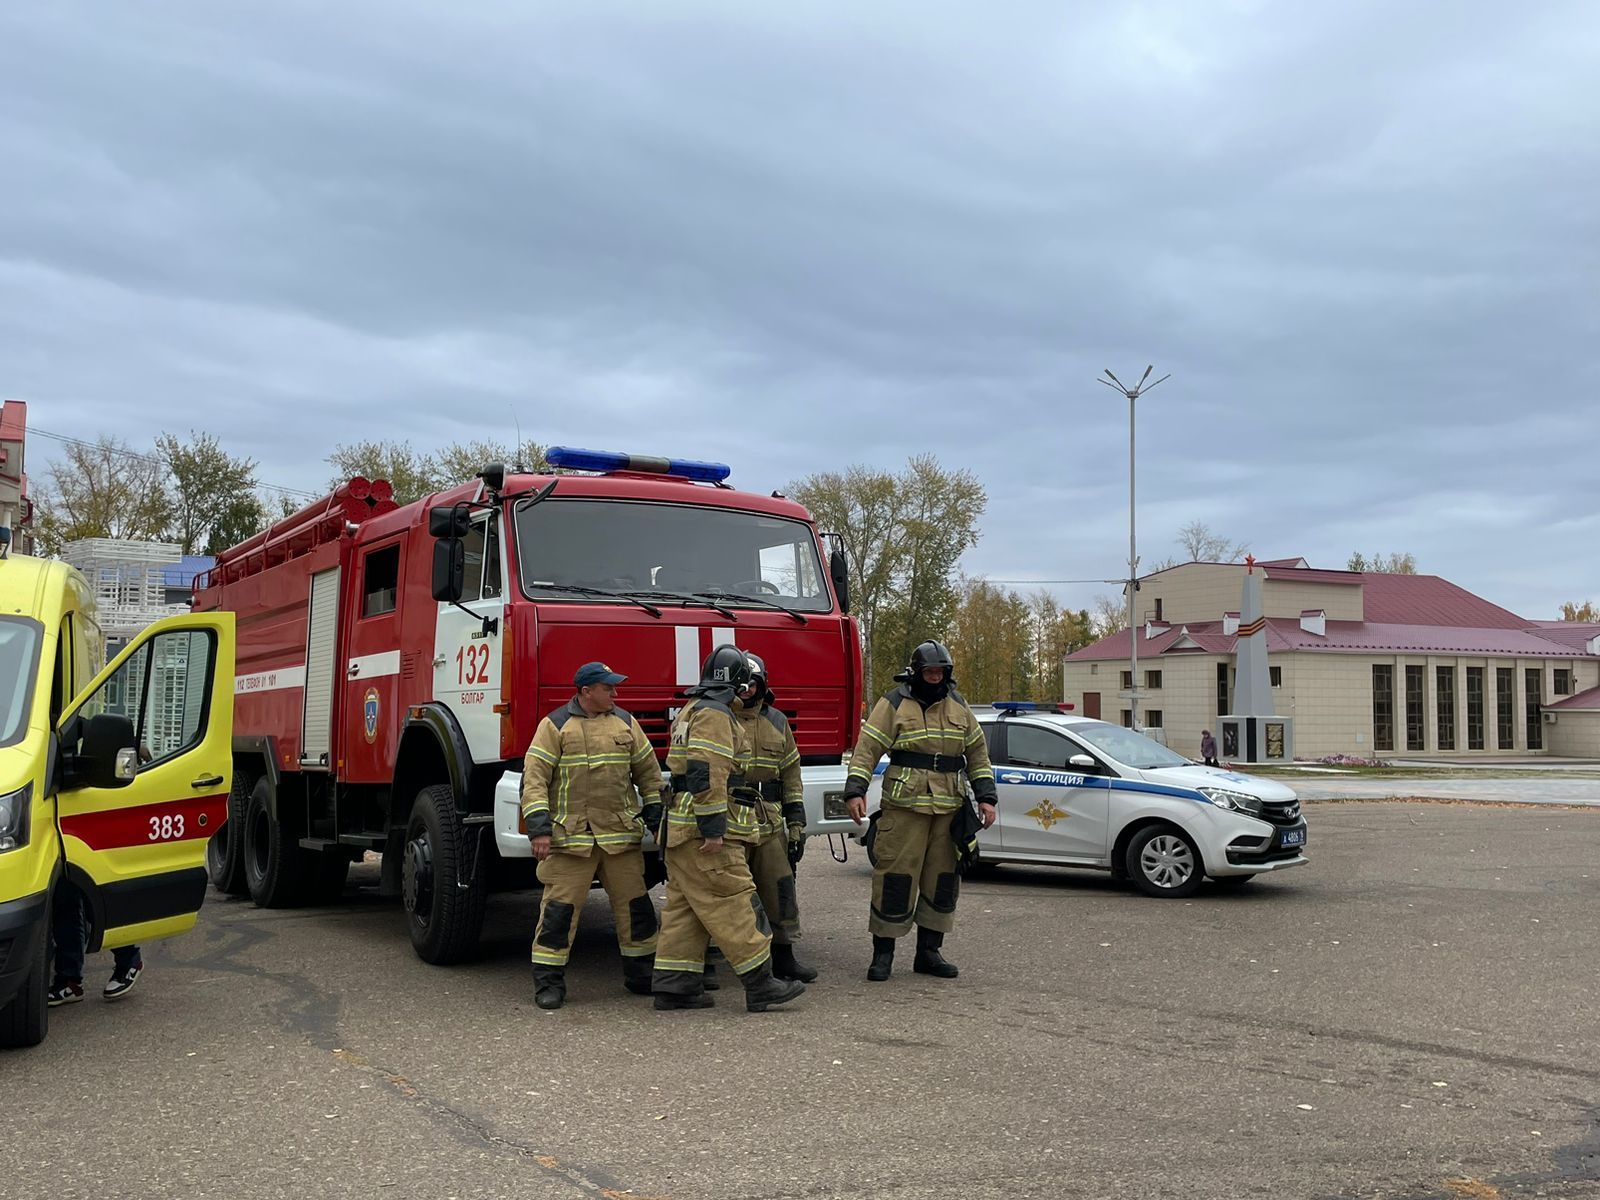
758 671
929 654
725 667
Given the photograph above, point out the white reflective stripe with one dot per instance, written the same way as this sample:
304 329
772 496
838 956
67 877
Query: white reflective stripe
375 666
686 640
723 637
270 681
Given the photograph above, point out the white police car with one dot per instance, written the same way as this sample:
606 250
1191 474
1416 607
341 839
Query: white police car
1083 793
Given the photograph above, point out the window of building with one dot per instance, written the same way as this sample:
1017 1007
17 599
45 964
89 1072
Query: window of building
1222 688
1152 718
1158 608
380 581
1094 668
1444 688
1416 714
1505 707
1152 679
1382 707
1275 676
1127 718
1474 708
1533 693
1127 679
1563 681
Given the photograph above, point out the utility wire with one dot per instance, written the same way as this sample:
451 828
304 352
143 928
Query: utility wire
151 458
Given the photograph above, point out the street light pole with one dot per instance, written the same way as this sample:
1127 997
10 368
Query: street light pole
1132 393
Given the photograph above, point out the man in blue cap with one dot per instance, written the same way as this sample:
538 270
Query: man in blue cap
590 785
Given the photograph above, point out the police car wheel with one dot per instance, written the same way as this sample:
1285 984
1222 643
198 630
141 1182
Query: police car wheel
1163 862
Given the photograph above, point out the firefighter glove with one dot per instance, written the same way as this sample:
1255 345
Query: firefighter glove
797 844
655 815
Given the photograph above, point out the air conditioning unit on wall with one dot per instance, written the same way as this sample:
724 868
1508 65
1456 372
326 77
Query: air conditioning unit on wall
1548 717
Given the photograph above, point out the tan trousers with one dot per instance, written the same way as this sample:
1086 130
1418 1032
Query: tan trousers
915 880
774 878
567 879
709 896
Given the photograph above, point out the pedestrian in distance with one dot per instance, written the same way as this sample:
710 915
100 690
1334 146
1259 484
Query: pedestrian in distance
936 749
590 786
1208 748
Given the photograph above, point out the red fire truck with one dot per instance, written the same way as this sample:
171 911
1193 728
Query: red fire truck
393 662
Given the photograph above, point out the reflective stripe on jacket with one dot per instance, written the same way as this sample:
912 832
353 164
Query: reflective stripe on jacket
583 777
947 728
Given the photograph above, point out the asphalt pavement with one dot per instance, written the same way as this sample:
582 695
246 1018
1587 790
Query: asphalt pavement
1413 1014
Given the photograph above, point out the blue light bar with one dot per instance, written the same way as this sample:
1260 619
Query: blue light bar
606 461
1029 706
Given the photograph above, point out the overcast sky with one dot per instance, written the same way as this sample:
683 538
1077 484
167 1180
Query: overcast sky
1364 239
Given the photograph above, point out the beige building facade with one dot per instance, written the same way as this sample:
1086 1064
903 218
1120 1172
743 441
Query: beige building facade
1369 665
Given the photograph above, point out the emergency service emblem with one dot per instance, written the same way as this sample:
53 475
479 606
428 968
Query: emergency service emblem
1047 814
369 714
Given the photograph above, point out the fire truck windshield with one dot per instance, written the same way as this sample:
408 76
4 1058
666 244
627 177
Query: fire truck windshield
19 653
627 546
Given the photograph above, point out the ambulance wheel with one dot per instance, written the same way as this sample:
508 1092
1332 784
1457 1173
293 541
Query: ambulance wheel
272 858
225 850
26 1018
444 918
1163 862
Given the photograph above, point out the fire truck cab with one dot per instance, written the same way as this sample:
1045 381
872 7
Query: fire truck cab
112 779
394 662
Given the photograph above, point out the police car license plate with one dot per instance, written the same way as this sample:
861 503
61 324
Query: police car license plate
1294 837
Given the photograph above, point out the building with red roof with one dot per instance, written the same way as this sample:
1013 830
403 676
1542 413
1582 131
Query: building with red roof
1366 663
15 508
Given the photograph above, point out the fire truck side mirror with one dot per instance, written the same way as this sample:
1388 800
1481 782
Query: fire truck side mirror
840 570
450 521
449 568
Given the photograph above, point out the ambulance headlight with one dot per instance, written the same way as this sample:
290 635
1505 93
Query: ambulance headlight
1233 801
14 810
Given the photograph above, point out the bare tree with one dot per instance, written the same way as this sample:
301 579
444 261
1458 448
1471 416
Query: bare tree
1201 545
102 489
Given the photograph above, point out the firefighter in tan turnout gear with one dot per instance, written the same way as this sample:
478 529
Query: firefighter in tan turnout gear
712 818
579 779
935 746
774 772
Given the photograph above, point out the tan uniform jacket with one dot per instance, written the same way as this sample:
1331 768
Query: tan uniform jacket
900 727
708 755
579 780
774 768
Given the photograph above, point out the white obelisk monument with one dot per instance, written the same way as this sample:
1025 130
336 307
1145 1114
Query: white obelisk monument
1252 733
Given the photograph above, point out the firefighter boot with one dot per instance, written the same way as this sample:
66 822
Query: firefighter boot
637 973
711 984
668 1001
929 961
882 958
550 986
786 966
762 990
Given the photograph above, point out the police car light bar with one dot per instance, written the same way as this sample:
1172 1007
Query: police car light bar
1029 706
606 461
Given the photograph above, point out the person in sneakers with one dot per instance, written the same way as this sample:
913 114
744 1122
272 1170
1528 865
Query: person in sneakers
590 786
70 928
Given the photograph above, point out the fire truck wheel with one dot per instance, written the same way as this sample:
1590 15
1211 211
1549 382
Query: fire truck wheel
225 850
271 853
444 918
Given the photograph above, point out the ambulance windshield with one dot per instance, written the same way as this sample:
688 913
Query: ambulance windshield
19 663
629 547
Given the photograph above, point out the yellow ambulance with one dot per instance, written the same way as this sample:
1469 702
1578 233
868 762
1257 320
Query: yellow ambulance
111 778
